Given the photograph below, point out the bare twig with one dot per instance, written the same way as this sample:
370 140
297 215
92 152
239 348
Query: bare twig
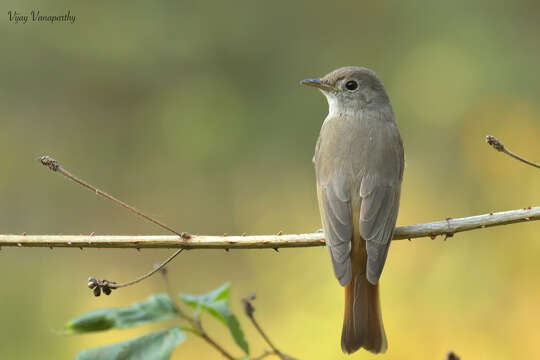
94 283
447 227
497 145
56 167
249 309
104 285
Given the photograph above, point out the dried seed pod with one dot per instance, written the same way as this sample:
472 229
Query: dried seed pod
97 291
92 282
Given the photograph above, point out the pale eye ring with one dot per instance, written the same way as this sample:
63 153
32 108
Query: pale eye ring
351 85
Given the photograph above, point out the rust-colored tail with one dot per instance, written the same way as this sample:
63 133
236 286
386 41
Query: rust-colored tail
363 326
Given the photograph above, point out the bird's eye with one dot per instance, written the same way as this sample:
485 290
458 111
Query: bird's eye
351 85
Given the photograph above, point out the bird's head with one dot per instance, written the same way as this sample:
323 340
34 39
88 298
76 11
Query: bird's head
350 88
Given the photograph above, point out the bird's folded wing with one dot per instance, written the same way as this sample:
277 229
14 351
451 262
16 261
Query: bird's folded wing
378 214
335 206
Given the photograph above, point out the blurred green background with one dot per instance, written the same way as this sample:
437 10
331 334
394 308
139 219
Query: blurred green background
192 111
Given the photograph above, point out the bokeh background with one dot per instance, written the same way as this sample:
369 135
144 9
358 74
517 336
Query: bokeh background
192 111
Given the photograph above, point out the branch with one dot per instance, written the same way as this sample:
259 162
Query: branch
55 166
106 286
183 240
446 228
497 145
249 309
97 285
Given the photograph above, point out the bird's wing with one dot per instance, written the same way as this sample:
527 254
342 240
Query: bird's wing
378 214
336 215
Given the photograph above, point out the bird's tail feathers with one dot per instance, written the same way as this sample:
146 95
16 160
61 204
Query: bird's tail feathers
362 326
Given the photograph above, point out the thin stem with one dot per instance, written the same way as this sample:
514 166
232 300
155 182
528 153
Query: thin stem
56 167
497 145
249 310
264 336
148 274
101 285
218 347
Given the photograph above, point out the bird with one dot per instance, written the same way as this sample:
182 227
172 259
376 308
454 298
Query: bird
359 162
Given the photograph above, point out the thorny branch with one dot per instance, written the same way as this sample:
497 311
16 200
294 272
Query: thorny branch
182 240
445 228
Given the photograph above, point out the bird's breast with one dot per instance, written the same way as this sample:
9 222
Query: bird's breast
342 147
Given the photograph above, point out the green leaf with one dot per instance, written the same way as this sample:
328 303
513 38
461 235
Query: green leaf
157 345
158 307
221 293
237 333
216 303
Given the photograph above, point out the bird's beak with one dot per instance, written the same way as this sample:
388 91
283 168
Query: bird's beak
318 83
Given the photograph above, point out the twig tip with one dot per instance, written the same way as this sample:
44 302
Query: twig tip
494 143
249 309
49 162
